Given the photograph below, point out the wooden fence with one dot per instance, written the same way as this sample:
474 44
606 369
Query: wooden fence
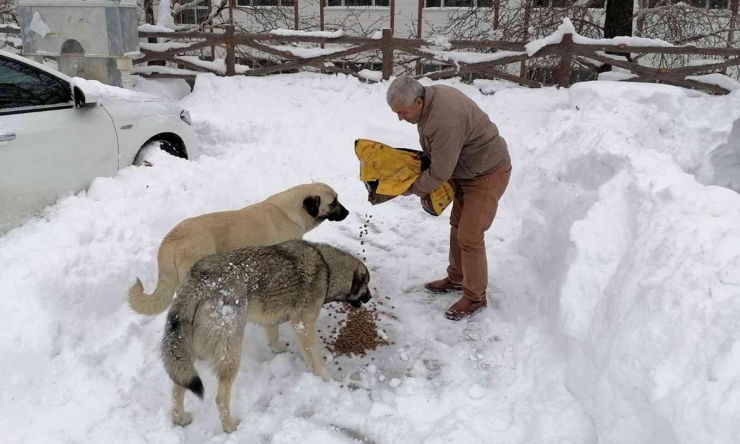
498 54
495 55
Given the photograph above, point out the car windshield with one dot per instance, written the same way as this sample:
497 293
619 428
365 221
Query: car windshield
22 86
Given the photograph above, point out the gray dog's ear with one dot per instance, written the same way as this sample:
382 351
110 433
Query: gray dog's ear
311 204
357 280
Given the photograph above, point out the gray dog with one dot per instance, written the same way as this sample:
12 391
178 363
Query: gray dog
267 285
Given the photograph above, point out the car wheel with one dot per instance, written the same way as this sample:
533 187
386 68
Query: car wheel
168 145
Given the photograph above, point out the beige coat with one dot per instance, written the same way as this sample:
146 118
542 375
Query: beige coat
458 136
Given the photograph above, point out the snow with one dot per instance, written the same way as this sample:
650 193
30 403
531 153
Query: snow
442 41
161 47
567 28
293 33
164 18
702 62
371 75
152 28
172 89
377 35
616 75
155 69
471 57
307 53
111 92
218 65
614 263
717 79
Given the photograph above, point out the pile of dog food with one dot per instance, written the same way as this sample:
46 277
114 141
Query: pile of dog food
358 333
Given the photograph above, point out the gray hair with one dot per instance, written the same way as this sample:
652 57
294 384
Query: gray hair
404 90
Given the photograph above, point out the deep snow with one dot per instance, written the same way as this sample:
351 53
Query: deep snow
614 272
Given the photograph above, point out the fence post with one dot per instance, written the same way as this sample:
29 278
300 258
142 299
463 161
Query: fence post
387 48
230 56
566 46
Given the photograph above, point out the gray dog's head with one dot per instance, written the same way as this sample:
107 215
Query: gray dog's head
360 292
322 203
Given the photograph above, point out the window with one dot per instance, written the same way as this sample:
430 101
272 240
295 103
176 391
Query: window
22 86
703 4
352 3
458 3
565 3
195 15
710 4
264 2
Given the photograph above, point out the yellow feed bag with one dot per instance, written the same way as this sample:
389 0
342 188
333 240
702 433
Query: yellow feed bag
388 172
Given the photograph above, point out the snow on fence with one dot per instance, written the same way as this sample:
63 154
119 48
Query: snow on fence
565 43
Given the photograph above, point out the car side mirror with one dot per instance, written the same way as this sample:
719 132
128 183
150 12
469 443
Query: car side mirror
84 100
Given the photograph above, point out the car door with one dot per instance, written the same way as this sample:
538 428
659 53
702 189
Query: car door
47 146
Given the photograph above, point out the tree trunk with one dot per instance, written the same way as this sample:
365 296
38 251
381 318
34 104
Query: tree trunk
618 22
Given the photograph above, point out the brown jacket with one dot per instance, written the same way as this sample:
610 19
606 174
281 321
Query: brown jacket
458 136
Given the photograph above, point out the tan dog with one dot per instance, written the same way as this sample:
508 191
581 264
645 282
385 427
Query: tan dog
281 217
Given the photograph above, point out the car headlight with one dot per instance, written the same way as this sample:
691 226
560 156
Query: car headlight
185 117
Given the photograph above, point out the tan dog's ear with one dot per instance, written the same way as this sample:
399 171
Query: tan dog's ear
311 204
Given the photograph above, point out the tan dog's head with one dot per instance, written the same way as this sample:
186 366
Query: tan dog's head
322 203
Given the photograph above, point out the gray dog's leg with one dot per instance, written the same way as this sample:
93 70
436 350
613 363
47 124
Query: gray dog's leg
273 338
226 375
179 415
305 331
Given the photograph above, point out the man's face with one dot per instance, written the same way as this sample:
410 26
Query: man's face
411 114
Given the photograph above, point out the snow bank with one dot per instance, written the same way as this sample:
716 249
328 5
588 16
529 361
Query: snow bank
614 279
643 260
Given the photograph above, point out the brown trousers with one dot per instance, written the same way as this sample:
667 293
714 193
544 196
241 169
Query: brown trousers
473 210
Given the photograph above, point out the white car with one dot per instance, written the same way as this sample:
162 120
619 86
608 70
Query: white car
57 134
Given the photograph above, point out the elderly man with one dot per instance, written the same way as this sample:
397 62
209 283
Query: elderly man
465 146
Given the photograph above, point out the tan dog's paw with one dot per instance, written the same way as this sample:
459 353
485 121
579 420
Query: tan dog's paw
230 425
278 348
182 419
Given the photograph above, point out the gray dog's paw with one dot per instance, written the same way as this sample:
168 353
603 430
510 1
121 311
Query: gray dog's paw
182 419
230 425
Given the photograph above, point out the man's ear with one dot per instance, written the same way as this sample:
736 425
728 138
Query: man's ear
311 204
419 102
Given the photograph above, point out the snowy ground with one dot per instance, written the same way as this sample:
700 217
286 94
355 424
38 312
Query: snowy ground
615 276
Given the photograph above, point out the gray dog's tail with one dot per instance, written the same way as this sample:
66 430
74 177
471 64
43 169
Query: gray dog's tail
177 345
157 302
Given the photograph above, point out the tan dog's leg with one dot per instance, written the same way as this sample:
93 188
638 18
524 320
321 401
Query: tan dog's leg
179 415
273 338
305 331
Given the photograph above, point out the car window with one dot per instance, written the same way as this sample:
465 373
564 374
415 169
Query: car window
23 86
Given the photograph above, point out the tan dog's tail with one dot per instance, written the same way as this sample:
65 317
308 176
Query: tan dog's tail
157 302
177 344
